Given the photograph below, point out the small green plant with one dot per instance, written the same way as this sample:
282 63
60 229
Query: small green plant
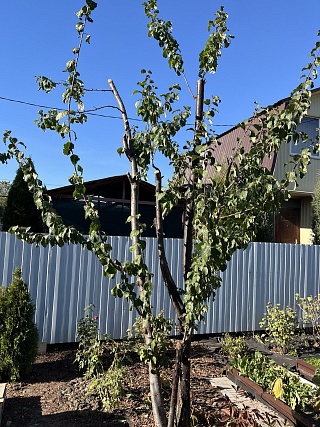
18 332
90 349
280 326
104 383
107 385
310 307
233 346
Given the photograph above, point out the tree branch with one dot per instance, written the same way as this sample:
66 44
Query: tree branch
166 274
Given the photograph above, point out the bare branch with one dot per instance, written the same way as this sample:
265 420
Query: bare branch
126 140
166 274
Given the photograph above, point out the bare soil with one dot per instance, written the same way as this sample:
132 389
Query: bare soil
54 394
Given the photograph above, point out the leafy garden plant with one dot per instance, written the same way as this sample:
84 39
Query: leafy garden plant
18 332
219 216
280 326
89 352
107 387
105 383
234 346
310 307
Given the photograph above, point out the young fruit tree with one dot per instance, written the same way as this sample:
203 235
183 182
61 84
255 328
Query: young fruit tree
219 209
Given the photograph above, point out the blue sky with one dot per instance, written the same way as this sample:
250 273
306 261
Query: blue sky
272 41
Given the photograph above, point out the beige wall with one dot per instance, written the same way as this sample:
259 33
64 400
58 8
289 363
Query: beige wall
306 235
307 184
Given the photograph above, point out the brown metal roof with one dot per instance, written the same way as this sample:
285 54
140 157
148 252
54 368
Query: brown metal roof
229 140
114 188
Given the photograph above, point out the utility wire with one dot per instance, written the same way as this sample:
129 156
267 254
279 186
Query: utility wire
89 112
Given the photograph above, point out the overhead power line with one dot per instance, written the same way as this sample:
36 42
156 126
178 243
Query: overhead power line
106 116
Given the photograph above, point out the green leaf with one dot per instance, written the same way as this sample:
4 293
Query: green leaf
70 65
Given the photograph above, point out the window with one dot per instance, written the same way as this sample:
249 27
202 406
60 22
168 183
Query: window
310 126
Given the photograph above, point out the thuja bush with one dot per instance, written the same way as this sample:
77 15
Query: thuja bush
18 332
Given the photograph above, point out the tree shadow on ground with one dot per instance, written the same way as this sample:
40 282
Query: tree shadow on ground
63 369
27 412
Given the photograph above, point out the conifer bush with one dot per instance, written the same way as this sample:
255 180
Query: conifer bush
18 332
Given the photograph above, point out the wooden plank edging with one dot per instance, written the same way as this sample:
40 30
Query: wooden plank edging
2 398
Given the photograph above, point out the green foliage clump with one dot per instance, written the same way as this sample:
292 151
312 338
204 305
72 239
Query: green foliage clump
233 346
4 190
313 361
107 386
20 207
280 326
310 307
263 227
90 349
156 352
18 332
104 383
277 380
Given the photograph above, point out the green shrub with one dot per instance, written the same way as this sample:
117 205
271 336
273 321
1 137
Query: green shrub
106 384
310 307
280 326
90 348
18 332
234 346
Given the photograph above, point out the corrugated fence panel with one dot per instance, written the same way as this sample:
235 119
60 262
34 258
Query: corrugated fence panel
63 281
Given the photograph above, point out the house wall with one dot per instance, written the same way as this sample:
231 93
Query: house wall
307 184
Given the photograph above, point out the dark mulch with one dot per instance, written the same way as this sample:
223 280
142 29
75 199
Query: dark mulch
54 394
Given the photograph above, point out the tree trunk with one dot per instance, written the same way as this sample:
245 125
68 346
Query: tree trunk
184 406
159 413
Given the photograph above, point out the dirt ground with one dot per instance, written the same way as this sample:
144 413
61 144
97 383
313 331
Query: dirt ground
54 394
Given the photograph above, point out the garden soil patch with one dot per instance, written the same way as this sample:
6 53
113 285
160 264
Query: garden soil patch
54 394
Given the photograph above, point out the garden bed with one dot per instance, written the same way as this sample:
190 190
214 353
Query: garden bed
297 418
306 369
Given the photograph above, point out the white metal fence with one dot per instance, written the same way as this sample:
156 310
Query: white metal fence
62 281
